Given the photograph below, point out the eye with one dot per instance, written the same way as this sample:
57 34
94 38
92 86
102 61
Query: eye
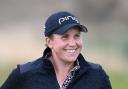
65 36
77 36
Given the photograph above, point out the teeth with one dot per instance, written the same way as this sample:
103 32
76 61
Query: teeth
70 50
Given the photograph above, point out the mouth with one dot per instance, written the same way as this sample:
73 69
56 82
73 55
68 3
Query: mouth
70 50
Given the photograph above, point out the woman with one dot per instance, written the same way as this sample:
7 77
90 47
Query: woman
62 66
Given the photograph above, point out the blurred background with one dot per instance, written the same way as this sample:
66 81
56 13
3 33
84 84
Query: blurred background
106 43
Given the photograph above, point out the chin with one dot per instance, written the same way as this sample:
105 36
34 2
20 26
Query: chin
72 59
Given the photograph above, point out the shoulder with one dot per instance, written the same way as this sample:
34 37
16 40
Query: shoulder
101 73
94 68
97 68
13 80
33 65
97 72
94 65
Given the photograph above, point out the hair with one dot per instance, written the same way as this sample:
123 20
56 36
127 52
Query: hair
50 37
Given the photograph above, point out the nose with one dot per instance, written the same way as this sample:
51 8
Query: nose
72 42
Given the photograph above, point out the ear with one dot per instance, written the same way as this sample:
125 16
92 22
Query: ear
48 42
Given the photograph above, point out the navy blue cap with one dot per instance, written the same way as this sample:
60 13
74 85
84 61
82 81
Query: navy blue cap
61 22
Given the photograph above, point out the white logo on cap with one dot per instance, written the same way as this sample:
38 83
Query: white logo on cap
61 20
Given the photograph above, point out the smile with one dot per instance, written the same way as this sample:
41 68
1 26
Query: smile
70 50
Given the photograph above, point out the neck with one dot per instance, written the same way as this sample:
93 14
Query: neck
65 69
61 69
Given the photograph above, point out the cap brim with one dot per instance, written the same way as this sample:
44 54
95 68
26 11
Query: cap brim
64 29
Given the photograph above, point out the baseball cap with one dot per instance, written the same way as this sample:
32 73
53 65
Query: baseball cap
61 22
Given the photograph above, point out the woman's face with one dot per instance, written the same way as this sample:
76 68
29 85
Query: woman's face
66 48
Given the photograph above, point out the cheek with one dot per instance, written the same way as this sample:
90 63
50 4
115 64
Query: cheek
79 43
58 44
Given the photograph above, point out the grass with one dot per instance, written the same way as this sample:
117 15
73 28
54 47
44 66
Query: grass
119 80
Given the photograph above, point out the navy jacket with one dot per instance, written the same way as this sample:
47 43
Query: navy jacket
40 74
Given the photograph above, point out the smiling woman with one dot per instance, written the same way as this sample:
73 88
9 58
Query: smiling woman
65 47
62 65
